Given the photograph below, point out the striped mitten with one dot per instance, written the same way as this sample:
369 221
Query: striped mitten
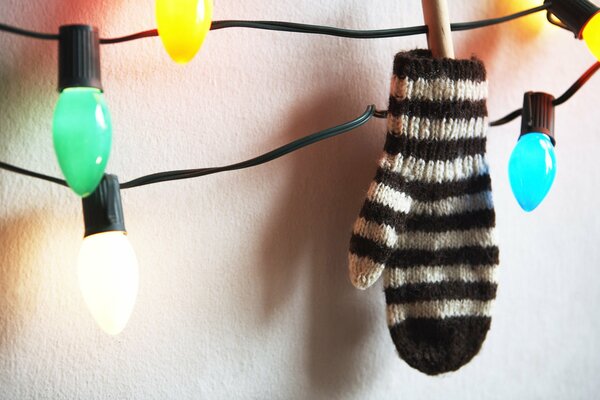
428 218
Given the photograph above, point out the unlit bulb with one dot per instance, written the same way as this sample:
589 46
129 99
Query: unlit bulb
109 279
82 133
532 169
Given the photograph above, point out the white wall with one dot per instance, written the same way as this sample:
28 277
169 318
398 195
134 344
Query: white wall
244 291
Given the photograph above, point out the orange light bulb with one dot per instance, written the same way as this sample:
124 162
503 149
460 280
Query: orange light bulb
182 26
591 35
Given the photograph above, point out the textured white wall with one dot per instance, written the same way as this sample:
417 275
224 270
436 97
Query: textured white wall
244 291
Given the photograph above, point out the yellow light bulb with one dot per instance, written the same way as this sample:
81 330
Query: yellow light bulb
591 35
109 278
182 26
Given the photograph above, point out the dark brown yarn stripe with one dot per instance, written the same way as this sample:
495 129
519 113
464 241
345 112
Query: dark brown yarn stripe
375 212
381 214
434 150
419 64
435 346
363 247
460 109
413 293
456 222
423 191
469 255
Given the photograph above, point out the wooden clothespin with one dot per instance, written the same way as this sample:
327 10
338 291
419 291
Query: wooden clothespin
437 20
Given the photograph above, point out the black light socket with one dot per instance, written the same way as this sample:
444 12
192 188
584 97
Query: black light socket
573 13
538 114
78 57
102 210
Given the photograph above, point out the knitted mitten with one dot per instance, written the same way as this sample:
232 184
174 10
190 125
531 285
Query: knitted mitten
428 218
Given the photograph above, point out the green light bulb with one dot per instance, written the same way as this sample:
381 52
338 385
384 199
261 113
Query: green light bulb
82 133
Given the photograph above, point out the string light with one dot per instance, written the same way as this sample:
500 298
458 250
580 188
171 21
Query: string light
532 164
108 270
580 17
107 265
182 26
82 129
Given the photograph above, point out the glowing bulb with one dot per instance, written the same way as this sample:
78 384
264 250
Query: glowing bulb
108 269
82 134
591 35
532 169
182 26
108 276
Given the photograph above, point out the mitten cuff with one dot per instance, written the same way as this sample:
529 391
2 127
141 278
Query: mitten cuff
420 64
437 117
437 99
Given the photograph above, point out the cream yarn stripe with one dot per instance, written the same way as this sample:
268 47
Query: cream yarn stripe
432 241
438 89
397 277
437 129
440 309
380 233
389 197
416 169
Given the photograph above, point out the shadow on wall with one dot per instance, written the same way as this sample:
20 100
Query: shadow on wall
19 278
309 233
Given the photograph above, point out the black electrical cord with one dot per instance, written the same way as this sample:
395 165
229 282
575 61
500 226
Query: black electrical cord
371 112
194 173
282 26
316 137
32 174
301 28
559 100
128 38
464 26
270 156
31 34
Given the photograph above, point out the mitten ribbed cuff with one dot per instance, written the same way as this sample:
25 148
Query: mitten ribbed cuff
437 116
420 64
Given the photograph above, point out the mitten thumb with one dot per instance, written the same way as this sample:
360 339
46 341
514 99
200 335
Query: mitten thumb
375 236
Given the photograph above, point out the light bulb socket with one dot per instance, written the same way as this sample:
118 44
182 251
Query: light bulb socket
538 114
103 210
574 14
78 57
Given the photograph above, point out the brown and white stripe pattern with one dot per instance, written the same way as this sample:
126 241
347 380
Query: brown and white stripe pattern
428 218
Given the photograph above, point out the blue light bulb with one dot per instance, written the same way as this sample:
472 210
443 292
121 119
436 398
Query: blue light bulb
531 169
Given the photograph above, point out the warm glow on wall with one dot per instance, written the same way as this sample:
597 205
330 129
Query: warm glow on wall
533 23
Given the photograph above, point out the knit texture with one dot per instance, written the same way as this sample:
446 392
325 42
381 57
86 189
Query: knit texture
428 219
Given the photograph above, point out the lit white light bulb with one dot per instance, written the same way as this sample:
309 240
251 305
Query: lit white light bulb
109 279
108 268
